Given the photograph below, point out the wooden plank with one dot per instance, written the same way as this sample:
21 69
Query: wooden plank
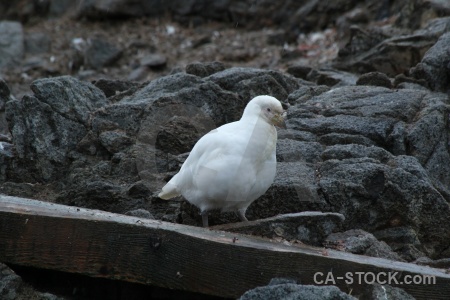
102 244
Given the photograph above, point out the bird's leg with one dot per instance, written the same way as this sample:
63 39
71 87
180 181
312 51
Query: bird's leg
241 215
205 218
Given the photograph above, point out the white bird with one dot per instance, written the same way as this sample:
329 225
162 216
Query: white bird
233 165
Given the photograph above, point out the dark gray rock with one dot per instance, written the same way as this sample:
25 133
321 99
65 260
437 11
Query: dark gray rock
443 263
428 141
435 65
69 97
249 82
37 43
331 77
305 93
398 235
61 7
344 139
204 69
360 242
10 283
122 8
390 53
114 141
375 79
101 53
12 45
299 71
342 152
140 213
308 227
386 196
376 129
294 189
5 96
385 291
292 150
113 87
42 137
290 291
154 60
47 127
138 74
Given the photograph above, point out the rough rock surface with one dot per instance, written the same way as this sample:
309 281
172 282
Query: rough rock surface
279 290
378 291
117 103
10 283
12 48
358 241
307 227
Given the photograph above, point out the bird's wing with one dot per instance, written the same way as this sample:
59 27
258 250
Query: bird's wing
215 144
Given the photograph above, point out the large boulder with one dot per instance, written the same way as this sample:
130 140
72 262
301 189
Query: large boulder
47 126
386 165
435 65
388 51
285 289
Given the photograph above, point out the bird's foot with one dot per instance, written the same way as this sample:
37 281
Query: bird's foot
205 218
241 215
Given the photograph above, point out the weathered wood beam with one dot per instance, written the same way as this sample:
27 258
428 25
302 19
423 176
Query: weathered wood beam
107 245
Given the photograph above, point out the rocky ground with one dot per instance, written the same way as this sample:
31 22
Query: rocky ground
99 106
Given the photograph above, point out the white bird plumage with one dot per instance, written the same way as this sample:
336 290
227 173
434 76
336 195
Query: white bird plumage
233 165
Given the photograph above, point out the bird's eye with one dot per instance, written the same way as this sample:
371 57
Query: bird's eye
268 109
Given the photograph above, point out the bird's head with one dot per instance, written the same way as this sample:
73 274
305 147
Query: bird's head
268 108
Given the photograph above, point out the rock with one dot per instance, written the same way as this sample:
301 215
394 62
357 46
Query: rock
69 97
375 79
385 291
435 65
308 227
5 96
37 43
443 263
47 127
344 139
12 45
122 8
113 87
139 74
139 190
114 141
380 120
416 13
12 287
305 93
397 236
360 242
379 191
61 7
401 80
299 71
332 77
376 50
10 283
140 213
285 291
100 53
204 69
155 60
249 82
292 150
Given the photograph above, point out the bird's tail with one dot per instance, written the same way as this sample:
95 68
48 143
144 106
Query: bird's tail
169 191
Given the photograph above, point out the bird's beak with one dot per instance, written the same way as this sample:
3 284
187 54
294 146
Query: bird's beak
278 120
